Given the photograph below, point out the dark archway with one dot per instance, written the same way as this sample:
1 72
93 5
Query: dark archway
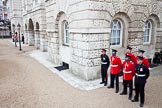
25 26
31 36
31 25
37 36
37 26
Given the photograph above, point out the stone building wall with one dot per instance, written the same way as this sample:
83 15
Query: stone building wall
90 30
90 26
15 7
34 21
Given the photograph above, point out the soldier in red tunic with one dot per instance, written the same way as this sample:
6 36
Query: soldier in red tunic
145 60
133 57
128 73
115 70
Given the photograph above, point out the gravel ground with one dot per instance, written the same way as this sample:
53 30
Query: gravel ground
25 83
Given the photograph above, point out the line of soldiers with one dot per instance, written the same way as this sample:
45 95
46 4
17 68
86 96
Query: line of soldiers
137 66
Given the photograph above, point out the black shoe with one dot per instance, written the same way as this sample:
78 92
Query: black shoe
102 82
105 84
116 91
134 100
141 105
123 93
130 97
110 87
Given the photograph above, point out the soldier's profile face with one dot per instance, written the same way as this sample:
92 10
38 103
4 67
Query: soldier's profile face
139 61
128 50
140 54
103 52
113 53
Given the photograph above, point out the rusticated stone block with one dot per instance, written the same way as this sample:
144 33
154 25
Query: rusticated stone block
93 37
85 37
97 61
75 58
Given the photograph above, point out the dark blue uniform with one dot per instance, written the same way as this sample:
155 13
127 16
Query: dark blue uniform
141 75
104 66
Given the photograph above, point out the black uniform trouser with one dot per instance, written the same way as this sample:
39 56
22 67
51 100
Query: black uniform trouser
104 75
23 41
140 88
114 77
125 84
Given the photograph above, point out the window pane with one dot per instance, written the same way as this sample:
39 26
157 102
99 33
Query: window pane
148 30
118 33
66 33
67 40
146 35
147 39
113 41
118 40
119 25
115 33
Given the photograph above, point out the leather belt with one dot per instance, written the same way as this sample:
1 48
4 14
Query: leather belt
127 71
140 75
114 65
103 62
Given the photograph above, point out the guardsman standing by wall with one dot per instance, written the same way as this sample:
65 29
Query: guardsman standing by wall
141 75
128 73
115 70
145 60
133 57
22 37
104 66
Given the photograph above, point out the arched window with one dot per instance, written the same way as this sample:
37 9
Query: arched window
147 32
66 33
116 33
